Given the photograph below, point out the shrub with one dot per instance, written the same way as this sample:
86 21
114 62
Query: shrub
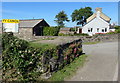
117 29
51 31
18 56
111 32
72 29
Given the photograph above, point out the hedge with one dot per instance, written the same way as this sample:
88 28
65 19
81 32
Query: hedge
51 31
22 62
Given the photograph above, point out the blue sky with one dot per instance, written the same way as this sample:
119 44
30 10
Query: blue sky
48 10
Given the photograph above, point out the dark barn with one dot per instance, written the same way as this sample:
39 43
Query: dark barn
32 27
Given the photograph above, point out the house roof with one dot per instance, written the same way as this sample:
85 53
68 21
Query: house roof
64 29
102 15
27 23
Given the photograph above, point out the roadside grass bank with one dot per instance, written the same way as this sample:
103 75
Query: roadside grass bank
43 39
69 70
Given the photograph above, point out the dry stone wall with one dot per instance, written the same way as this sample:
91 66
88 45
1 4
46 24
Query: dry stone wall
59 39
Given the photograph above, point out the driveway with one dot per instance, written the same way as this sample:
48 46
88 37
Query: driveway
101 63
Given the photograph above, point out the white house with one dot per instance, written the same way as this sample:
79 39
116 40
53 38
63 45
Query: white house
97 23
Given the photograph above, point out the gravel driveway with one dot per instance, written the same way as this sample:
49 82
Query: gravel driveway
101 65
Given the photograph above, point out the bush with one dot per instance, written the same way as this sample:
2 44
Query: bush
111 32
51 31
117 29
18 56
72 29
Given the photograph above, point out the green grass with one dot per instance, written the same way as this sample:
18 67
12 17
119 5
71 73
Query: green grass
88 43
41 45
43 39
48 38
68 70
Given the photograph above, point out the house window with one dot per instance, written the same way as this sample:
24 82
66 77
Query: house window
105 29
91 29
88 30
97 29
102 30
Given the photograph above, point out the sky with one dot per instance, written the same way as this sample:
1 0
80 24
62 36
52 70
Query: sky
48 10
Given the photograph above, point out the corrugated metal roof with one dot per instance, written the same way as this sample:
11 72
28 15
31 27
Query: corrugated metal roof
29 23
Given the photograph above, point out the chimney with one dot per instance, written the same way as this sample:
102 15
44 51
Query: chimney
98 9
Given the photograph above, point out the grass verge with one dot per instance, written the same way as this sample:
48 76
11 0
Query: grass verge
88 43
41 45
43 39
68 70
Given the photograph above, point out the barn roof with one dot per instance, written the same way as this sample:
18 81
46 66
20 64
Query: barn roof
29 23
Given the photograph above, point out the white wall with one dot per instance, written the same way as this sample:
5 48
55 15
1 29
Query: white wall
96 23
112 30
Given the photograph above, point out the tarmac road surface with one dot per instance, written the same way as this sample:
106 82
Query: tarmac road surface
101 65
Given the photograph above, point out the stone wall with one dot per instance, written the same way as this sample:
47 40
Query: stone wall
102 37
24 33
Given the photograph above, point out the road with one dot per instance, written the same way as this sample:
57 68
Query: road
101 65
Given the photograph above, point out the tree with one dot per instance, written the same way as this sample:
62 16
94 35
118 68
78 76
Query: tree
81 15
61 18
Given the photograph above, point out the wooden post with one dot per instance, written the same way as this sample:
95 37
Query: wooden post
2 28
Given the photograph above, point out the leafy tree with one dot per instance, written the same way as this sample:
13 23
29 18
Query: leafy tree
61 17
81 15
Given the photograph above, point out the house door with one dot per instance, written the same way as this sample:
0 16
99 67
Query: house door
80 30
38 31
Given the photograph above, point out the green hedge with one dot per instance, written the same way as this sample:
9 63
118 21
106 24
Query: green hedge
117 30
25 62
51 31
19 60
